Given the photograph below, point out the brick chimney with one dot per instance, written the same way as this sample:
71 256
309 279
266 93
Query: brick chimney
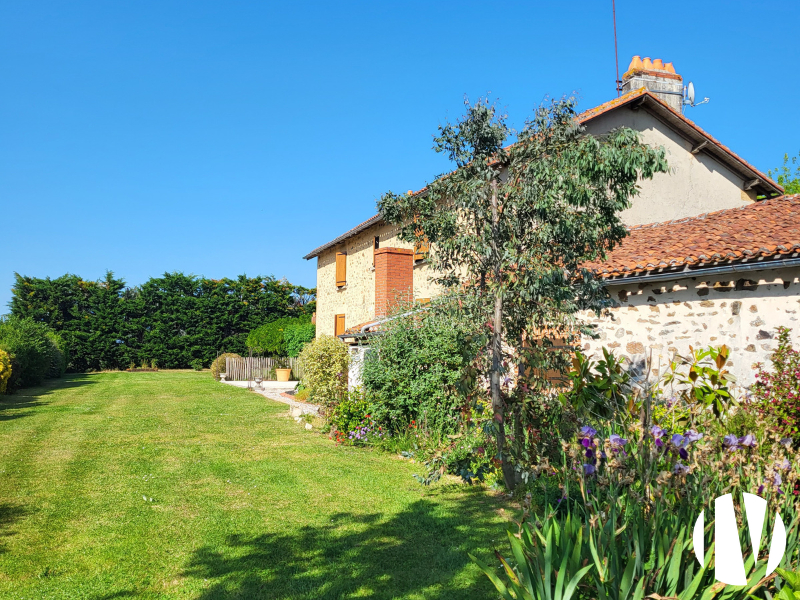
659 78
394 278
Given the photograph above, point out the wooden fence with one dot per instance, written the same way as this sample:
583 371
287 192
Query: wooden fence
248 368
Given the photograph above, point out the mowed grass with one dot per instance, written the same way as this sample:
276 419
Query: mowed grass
245 502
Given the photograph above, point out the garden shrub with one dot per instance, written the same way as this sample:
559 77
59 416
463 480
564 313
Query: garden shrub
297 335
5 370
325 363
282 337
412 370
59 355
777 390
31 350
218 366
196 364
351 422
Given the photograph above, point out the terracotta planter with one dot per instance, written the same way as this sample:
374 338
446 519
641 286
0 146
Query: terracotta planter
283 374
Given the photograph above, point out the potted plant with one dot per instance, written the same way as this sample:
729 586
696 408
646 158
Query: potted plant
282 370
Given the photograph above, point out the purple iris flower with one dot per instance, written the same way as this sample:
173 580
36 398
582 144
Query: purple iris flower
659 442
787 441
617 440
588 469
777 479
730 441
761 488
692 436
785 465
747 441
587 431
678 440
657 432
680 469
586 442
589 454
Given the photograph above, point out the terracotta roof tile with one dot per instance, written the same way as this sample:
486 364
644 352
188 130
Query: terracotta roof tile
758 230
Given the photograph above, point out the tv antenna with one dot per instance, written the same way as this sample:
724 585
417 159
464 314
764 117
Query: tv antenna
688 96
616 54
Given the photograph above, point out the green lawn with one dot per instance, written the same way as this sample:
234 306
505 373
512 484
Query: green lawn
245 503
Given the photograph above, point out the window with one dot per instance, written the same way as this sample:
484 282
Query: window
421 248
338 328
557 344
341 269
375 246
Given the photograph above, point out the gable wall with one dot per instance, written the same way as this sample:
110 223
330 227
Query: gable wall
696 184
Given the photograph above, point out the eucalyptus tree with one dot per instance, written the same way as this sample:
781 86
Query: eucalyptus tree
510 232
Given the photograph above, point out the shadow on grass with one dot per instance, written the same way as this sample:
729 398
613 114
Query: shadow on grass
419 551
9 514
20 403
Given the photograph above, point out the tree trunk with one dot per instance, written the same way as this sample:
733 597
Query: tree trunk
498 406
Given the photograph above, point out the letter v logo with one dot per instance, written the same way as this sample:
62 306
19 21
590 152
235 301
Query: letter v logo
729 564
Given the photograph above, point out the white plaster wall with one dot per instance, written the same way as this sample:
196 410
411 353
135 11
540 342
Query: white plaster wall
696 184
667 317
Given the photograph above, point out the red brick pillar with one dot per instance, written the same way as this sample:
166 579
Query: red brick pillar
394 278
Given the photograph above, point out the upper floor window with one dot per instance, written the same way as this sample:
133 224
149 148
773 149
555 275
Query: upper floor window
341 269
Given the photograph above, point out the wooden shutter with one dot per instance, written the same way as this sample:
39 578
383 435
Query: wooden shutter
556 378
421 249
339 326
341 269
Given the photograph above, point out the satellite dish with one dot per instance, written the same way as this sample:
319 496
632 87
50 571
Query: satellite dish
690 93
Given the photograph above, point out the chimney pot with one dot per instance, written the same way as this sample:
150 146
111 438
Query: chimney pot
659 78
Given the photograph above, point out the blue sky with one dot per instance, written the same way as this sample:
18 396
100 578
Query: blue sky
220 138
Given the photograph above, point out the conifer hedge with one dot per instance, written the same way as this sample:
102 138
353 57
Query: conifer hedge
174 319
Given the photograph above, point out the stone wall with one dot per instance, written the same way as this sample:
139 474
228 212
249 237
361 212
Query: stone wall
739 310
356 300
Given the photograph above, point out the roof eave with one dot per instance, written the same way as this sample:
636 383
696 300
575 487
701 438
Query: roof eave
704 270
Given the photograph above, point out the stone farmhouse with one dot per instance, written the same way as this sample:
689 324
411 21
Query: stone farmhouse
713 254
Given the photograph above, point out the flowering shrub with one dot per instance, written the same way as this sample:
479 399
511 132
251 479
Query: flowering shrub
778 390
351 422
